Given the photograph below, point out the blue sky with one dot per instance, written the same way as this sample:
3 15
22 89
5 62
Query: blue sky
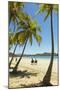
45 45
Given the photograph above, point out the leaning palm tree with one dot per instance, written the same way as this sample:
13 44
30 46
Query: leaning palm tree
12 42
15 8
49 8
31 30
22 25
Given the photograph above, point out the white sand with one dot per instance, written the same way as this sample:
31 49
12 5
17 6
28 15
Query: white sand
38 72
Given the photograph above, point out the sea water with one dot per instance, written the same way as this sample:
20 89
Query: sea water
42 57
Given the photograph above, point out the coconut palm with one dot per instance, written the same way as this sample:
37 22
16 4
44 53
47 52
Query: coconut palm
31 29
49 8
23 19
15 8
11 43
17 15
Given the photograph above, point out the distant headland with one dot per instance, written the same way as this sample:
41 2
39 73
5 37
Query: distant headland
42 54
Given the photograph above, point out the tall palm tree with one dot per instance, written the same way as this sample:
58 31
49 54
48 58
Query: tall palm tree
22 25
11 43
31 30
49 8
15 8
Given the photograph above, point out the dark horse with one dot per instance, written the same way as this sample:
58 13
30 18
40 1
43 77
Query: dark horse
35 61
32 61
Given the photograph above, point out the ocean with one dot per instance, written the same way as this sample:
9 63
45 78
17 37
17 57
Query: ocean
42 57
38 57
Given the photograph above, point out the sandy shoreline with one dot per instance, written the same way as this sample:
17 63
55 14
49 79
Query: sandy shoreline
31 74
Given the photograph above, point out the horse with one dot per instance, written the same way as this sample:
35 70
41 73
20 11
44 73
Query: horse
32 61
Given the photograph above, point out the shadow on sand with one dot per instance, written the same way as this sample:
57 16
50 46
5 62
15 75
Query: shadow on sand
27 74
41 84
22 74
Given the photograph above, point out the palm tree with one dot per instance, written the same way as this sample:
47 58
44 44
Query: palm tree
15 8
31 30
17 15
49 8
23 19
11 43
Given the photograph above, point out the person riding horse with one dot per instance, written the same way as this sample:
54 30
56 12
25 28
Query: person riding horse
32 61
35 61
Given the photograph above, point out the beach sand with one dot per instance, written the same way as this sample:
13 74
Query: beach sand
32 73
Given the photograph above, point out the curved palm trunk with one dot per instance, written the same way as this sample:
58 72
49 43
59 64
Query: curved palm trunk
14 48
47 77
16 66
12 55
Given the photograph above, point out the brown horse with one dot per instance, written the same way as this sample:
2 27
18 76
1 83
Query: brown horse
32 61
35 61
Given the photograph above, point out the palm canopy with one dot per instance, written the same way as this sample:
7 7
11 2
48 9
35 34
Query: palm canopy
47 8
14 8
11 39
30 29
27 34
15 38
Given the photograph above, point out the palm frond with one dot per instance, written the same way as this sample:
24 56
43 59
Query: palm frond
30 39
47 14
55 8
38 38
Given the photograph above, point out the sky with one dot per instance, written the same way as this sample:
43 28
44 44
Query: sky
45 45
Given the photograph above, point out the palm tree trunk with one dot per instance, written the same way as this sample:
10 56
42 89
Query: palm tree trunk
16 66
12 55
47 77
14 49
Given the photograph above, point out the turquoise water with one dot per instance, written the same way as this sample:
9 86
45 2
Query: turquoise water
42 57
